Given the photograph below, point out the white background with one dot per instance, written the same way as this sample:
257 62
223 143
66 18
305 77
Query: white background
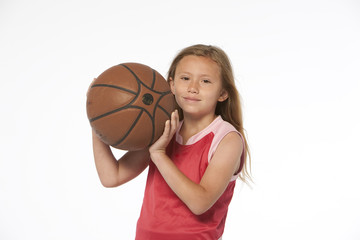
297 66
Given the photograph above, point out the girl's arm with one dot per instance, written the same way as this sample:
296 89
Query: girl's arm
223 165
112 172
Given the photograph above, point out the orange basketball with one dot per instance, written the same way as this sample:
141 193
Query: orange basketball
128 104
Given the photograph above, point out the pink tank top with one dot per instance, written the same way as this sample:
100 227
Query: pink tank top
163 215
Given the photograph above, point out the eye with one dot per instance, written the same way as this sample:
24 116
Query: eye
206 81
185 78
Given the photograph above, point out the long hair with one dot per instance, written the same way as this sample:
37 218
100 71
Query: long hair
230 109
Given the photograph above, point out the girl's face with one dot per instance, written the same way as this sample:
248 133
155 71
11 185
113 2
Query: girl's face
197 86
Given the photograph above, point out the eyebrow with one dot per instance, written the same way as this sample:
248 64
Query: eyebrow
188 73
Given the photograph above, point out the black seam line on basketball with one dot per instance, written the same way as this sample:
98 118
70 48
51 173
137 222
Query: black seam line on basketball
130 129
157 104
142 110
140 82
113 86
154 78
124 107
152 118
137 80
119 109
129 105
106 114
164 110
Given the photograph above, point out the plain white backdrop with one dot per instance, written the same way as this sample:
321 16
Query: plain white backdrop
297 68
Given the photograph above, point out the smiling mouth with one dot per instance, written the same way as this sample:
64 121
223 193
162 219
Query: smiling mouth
191 99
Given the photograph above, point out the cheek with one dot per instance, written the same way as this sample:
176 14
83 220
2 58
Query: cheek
172 87
177 88
174 91
179 102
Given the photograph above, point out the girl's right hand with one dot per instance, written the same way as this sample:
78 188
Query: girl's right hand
170 129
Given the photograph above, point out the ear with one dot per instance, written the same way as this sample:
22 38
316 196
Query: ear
172 85
223 96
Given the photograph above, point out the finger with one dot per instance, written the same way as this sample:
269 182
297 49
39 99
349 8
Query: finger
167 128
173 122
177 118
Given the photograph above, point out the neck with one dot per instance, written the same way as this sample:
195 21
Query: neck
192 126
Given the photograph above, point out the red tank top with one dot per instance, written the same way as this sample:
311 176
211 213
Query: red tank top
163 215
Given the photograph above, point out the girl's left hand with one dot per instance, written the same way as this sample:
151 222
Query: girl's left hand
170 129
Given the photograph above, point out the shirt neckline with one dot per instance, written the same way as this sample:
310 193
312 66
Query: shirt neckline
196 137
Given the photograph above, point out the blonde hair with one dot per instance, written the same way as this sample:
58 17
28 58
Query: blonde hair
230 109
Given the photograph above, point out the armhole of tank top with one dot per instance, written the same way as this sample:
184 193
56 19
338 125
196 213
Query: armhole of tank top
216 143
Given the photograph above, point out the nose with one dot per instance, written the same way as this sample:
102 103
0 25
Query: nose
193 86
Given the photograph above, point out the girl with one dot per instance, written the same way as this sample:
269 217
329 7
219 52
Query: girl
194 164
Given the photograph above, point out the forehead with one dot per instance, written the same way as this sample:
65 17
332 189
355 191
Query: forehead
198 65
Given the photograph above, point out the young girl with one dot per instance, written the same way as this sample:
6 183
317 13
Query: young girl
194 164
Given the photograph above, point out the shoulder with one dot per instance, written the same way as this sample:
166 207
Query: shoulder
223 126
227 134
232 140
224 129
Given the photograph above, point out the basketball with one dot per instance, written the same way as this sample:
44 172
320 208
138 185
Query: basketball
128 104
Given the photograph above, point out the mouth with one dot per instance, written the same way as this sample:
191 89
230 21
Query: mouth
191 99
